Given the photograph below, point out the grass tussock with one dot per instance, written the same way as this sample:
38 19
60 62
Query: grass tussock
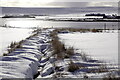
36 30
102 68
14 45
60 75
73 67
69 52
4 54
34 33
84 56
111 76
59 48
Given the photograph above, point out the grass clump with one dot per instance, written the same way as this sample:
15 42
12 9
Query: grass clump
36 30
69 52
96 30
34 33
84 56
14 45
59 48
5 54
102 68
78 30
111 76
73 67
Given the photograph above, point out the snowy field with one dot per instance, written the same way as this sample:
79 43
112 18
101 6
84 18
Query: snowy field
38 61
8 35
102 46
23 62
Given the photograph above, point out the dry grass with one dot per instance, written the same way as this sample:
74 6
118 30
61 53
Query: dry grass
96 30
100 69
59 48
36 30
73 67
15 45
69 52
84 56
35 33
111 76
79 30
4 54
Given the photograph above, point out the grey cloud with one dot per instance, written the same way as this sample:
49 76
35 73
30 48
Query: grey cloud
86 1
83 4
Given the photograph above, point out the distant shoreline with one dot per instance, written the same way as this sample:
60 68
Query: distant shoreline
86 20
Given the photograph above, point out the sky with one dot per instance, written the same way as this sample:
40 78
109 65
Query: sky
57 3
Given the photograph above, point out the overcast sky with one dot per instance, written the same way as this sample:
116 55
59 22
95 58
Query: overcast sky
57 3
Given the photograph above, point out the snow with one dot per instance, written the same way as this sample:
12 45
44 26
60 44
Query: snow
22 65
102 46
23 62
8 35
36 56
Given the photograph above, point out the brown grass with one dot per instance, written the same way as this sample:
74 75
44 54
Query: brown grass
69 52
73 67
101 69
111 76
59 48
84 56
4 54
79 30
14 45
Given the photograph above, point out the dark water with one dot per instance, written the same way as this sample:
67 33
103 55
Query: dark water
55 11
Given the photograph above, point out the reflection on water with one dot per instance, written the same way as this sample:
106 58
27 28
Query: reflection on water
39 23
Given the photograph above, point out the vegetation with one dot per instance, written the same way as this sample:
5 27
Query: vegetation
4 54
78 30
16 45
84 56
69 52
111 76
73 67
61 52
59 48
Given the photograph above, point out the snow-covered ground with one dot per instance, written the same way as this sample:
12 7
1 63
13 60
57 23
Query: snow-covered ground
24 62
102 46
36 58
8 35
